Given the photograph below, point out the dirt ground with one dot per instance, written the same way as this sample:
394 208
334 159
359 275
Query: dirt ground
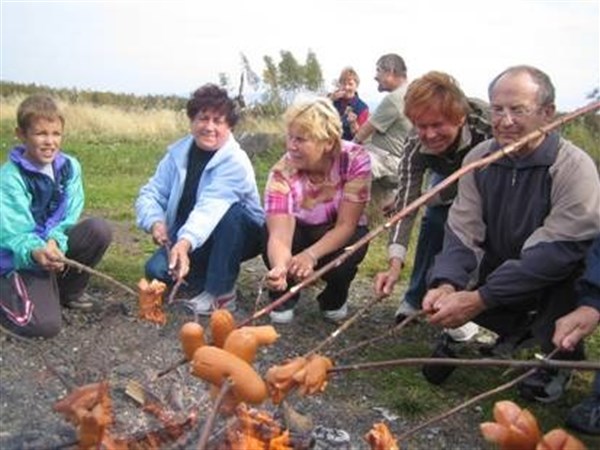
113 344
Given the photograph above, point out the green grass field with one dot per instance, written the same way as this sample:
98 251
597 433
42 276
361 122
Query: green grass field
117 164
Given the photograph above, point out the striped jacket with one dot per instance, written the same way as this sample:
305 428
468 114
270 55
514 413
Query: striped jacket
415 162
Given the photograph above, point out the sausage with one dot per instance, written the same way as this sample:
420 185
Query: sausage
221 324
280 378
242 343
265 334
514 429
191 336
560 440
312 378
215 365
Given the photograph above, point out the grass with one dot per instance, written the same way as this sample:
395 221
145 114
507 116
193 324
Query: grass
117 161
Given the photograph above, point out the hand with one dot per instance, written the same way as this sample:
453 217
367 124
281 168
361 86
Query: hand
302 265
385 281
160 234
276 279
337 94
575 326
49 257
351 116
179 260
433 295
452 310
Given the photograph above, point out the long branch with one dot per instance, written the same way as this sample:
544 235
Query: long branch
208 425
422 200
482 362
473 400
84 268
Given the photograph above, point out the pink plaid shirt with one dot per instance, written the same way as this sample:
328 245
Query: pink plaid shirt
289 191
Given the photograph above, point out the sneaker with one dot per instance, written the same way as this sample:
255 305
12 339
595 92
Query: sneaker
282 316
438 373
585 417
463 333
204 303
404 310
336 315
83 303
545 385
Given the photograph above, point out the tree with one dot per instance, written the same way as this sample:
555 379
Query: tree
313 76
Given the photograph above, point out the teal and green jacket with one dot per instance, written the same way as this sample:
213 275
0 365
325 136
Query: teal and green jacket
34 208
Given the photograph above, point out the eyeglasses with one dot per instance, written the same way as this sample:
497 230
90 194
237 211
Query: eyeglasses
515 112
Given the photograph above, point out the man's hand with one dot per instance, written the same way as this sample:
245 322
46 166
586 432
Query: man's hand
451 310
179 259
49 257
434 295
160 234
575 326
385 281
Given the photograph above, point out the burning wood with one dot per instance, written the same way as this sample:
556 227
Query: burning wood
380 438
150 301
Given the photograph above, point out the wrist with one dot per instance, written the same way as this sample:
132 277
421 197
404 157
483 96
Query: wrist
312 256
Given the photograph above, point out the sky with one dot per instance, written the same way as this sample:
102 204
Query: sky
173 47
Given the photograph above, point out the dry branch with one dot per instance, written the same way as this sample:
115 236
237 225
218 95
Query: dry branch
84 268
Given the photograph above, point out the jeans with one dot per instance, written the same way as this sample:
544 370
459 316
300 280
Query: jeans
215 266
430 243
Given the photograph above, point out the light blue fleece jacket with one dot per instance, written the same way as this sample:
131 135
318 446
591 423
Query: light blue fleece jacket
227 179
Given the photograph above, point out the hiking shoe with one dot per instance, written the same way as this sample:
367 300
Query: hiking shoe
336 315
437 373
330 438
585 417
282 316
82 303
463 333
545 385
404 310
204 303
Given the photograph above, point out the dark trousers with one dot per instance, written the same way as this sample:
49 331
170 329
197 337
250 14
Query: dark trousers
88 241
536 317
215 266
338 279
430 243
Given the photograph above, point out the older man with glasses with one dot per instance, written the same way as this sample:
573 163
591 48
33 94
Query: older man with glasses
517 233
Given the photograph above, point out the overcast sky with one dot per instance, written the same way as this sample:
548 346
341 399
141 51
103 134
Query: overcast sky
172 47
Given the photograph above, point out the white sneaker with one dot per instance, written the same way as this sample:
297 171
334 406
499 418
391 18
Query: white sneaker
404 310
204 303
336 315
463 333
282 316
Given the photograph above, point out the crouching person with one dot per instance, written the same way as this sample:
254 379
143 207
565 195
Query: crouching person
202 206
40 206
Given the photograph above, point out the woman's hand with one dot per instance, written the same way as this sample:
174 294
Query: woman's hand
385 281
302 265
160 234
276 279
179 259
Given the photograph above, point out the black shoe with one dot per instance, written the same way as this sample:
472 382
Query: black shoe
545 385
585 417
438 373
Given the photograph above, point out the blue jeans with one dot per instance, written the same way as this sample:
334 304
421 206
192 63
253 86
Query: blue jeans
430 243
215 266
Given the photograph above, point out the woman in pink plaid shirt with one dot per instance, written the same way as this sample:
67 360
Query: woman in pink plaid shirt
315 201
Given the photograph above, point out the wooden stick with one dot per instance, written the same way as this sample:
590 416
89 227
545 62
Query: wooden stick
208 425
395 329
422 200
84 268
472 401
484 362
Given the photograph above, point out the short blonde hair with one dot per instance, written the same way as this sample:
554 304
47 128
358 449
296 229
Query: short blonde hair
37 106
316 117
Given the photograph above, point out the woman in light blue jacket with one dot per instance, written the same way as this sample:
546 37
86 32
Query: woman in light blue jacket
202 206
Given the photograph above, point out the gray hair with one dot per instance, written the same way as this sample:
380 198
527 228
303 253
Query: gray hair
392 63
546 88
